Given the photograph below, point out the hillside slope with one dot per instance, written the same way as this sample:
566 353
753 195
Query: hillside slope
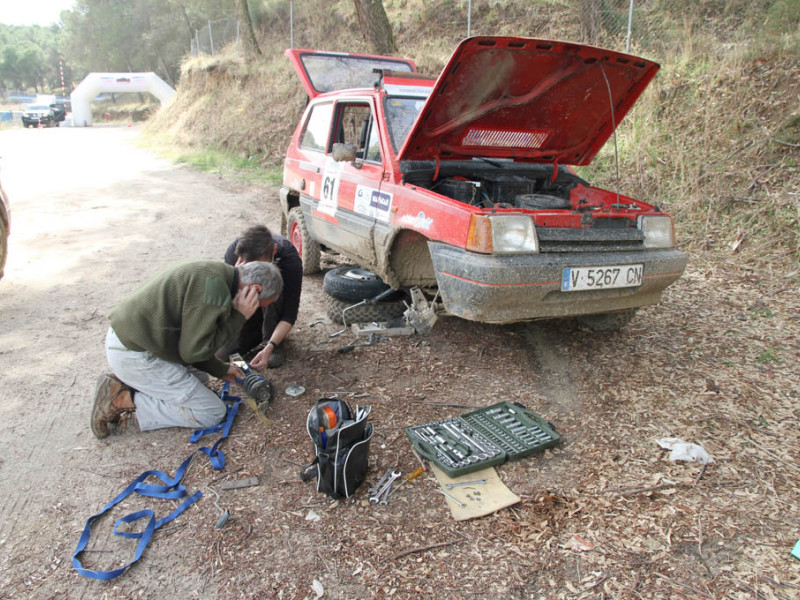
715 139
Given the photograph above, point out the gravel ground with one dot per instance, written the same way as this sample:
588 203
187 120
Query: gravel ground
606 514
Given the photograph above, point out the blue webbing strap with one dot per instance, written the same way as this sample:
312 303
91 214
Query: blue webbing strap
172 489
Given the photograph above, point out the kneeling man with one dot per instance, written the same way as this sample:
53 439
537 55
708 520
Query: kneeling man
164 335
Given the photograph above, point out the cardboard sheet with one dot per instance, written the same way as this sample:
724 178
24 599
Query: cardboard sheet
479 499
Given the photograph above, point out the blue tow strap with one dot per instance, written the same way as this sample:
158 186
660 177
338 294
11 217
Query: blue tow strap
171 489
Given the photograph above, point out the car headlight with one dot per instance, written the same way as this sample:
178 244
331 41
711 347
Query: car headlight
513 233
502 234
659 232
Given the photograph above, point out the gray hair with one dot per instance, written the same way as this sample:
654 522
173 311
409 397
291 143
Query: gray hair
264 274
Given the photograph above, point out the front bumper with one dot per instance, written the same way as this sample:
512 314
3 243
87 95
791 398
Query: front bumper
509 288
35 120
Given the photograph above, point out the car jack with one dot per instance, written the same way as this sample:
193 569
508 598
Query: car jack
418 319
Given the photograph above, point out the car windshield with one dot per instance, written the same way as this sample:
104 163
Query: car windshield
329 72
39 107
400 116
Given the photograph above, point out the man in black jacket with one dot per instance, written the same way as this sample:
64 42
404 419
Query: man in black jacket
271 325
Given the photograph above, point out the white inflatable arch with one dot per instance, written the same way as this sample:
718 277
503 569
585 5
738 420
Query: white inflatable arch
96 83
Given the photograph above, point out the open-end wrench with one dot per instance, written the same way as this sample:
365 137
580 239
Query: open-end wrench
454 499
450 486
375 498
374 489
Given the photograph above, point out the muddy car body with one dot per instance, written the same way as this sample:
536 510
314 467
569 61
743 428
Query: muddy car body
463 184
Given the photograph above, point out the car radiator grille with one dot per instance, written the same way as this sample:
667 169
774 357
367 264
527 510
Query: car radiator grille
559 239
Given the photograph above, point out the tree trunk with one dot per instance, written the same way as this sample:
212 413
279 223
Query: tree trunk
248 35
375 26
188 25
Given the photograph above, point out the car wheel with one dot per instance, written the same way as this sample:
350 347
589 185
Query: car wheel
353 283
362 313
307 248
608 322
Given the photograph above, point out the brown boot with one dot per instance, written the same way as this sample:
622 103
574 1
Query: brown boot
112 400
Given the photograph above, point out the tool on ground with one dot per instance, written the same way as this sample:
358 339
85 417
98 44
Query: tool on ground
366 302
482 438
352 345
295 390
478 500
418 319
381 494
454 499
239 483
223 518
450 486
414 475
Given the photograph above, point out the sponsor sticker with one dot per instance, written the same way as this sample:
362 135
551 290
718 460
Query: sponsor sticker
418 221
373 203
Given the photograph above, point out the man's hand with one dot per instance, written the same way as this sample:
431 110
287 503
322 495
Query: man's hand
233 374
246 301
261 359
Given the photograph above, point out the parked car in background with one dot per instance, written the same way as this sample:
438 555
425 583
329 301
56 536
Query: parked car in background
59 112
462 186
36 115
5 228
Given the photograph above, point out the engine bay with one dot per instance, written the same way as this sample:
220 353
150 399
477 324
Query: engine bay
529 187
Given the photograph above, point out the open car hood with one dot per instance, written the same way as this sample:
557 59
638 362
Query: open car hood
526 99
322 72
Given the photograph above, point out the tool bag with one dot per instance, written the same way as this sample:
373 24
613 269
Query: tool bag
341 439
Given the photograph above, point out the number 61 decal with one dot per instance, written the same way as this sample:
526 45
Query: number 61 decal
329 194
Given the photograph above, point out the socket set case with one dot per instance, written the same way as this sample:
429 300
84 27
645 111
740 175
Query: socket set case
482 438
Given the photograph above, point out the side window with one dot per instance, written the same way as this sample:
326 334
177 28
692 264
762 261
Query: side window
315 134
355 125
373 145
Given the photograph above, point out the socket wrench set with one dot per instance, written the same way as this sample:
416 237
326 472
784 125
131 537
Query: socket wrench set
482 438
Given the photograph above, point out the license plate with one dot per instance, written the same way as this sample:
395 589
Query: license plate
575 279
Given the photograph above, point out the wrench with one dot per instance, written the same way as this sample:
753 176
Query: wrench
377 497
374 489
454 499
450 486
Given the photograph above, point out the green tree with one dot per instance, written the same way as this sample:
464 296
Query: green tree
29 57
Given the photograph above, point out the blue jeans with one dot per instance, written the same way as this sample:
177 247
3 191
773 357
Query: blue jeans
167 394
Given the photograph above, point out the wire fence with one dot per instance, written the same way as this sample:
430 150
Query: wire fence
610 23
596 20
623 25
213 37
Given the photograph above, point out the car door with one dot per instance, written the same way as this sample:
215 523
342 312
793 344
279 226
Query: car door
350 200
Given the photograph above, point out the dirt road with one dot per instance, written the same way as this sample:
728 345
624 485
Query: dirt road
93 215
605 515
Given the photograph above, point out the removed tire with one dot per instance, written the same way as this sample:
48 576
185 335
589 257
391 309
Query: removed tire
307 248
353 283
608 322
362 313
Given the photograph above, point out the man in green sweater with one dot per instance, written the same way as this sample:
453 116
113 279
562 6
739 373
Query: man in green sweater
166 331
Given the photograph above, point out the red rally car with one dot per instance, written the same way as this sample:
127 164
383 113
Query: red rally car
462 184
